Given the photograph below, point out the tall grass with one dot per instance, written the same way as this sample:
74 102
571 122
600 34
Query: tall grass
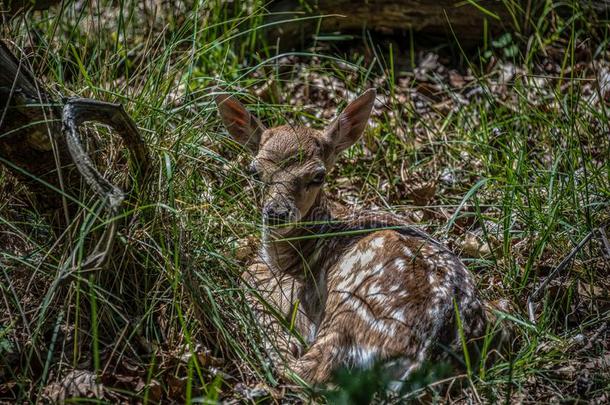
526 171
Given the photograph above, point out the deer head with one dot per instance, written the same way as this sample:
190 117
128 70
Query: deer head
293 161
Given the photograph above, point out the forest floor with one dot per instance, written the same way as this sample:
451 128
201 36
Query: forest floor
502 154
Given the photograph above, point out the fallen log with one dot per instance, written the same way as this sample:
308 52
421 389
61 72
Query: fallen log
294 22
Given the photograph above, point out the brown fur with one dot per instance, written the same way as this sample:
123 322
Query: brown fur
376 289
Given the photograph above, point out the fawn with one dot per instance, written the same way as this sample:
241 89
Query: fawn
371 288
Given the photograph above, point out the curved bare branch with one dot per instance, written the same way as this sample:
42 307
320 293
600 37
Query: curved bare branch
80 110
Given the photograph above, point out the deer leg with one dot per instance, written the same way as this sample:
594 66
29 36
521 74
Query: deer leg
322 358
272 300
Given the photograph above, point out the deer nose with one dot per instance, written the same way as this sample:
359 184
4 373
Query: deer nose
275 214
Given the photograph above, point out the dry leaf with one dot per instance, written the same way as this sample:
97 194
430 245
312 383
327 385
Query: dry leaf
77 384
473 246
246 247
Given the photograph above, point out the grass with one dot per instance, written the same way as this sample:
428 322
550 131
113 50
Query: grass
518 170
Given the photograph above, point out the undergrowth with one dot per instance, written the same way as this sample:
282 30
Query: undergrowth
505 157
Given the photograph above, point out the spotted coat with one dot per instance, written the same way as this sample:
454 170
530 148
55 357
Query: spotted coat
372 295
369 287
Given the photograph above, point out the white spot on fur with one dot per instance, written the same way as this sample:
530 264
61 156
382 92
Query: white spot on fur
347 265
398 315
355 258
385 329
366 257
440 290
400 264
365 314
359 278
374 290
362 311
360 356
394 288
402 294
377 242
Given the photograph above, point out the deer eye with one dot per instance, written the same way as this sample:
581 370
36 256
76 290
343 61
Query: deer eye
318 178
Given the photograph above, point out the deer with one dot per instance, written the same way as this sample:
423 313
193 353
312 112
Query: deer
370 287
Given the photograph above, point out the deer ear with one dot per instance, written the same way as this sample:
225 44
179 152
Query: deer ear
349 125
244 127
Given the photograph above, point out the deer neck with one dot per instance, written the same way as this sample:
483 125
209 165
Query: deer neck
297 251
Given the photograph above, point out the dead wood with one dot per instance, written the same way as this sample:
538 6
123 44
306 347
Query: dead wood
76 112
80 110
535 296
31 145
13 7
435 18
41 144
291 22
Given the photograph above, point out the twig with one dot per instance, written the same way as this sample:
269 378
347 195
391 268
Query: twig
78 111
604 238
531 306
